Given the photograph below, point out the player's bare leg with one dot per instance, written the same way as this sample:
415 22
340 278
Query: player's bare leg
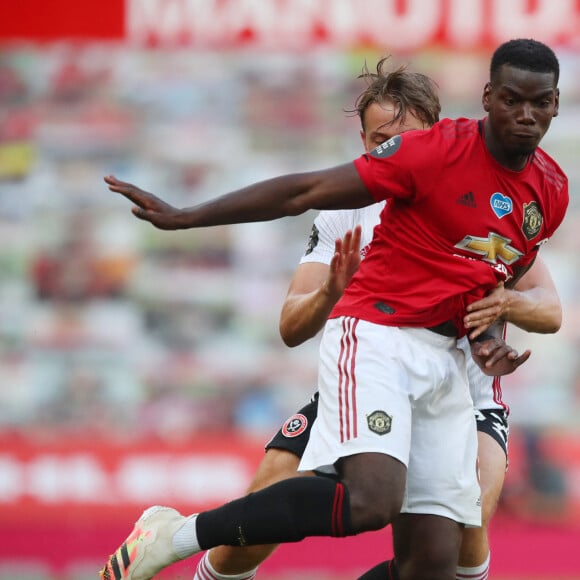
474 555
426 546
475 550
277 465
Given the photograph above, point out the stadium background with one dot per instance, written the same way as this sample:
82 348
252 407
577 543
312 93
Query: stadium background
141 367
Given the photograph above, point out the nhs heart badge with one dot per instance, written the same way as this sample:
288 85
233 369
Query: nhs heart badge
501 204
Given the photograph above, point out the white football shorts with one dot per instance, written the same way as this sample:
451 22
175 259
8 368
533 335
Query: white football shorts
402 392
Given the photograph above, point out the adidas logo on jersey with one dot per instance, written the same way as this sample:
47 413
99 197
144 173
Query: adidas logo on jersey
467 199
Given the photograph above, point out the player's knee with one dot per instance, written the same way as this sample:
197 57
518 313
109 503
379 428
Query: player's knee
234 560
489 501
429 560
376 484
427 546
474 546
373 508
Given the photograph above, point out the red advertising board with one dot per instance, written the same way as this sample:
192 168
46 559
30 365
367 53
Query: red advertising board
106 479
401 25
40 20
86 476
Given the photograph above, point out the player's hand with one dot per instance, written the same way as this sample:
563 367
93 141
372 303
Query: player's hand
345 262
496 358
148 207
484 312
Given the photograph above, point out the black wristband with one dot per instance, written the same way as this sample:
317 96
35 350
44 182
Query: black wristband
482 337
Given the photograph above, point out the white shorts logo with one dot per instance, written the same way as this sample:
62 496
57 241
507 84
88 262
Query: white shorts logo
379 422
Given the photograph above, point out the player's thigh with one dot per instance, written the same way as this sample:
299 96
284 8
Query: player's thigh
376 486
286 447
276 465
426 542
492 468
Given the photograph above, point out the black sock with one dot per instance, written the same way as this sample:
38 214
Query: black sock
288 511
384 571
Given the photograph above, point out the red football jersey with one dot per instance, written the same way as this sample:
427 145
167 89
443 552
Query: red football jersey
456 224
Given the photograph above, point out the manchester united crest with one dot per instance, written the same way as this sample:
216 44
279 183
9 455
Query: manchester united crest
533 220
379 422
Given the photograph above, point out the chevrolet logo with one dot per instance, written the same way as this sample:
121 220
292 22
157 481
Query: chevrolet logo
492 248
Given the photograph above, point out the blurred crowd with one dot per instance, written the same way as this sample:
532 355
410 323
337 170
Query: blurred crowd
111 328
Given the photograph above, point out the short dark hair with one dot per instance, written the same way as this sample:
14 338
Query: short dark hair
525 54
408 90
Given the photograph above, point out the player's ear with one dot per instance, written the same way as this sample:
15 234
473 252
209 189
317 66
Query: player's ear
363 138
485 98
557 103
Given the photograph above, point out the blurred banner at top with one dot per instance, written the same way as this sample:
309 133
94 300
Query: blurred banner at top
400 25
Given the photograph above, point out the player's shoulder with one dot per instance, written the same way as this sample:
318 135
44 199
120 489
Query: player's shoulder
333 224
550 169
459 128
445 142
337 222
448 134
331 219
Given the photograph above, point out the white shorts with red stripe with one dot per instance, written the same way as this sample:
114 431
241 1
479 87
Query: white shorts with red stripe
402 392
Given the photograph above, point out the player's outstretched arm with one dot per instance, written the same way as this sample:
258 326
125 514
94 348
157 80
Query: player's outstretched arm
336 188
315 288
533 304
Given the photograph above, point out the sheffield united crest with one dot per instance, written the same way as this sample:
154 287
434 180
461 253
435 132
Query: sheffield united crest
295 426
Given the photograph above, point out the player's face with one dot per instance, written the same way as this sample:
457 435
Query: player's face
520 105
380 126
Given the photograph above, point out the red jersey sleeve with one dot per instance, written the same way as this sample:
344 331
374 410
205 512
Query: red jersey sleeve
404 166
556 182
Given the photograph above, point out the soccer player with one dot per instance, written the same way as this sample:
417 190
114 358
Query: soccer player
392 103
390 370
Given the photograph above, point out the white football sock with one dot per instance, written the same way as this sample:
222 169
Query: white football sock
205 571
480 572
185 541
